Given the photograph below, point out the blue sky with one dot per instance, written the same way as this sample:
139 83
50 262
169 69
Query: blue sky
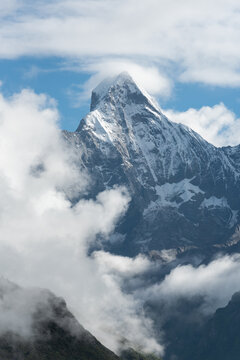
186 54
45 75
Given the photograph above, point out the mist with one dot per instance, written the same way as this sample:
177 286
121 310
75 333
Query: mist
44 240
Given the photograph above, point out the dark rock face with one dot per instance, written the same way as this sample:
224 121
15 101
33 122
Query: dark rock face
215 337
185 192
220 337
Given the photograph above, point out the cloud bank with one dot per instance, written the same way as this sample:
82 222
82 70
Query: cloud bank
44 240
217 282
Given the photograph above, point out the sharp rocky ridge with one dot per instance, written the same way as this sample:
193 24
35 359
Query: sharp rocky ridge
185 191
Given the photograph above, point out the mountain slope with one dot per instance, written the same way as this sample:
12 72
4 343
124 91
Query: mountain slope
216 337
219 338
185 192
40 327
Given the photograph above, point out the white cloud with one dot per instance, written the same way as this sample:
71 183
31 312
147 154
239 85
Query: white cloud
44 240
198 39
220 76
9 7
122 265
217 282
147 77
217 124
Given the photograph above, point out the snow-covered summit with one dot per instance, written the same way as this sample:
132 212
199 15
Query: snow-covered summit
181 186
125 121
121 90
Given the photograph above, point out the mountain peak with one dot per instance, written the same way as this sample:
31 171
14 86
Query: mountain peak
120 89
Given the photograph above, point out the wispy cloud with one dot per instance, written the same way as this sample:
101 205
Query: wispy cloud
147 77
200 40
